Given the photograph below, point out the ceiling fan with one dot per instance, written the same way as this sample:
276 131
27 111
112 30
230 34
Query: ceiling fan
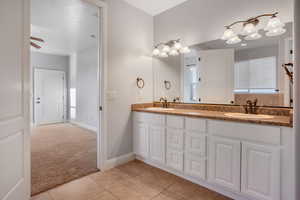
32 43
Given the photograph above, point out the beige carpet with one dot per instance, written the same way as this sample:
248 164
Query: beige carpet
61 153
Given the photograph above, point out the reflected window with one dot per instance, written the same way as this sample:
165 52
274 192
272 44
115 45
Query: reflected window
73 103
256 75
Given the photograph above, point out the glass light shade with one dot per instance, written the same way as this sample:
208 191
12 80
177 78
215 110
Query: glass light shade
163 55
234 40
156 52
174 52
185 50
166 48
249 29
275 32
274 23
177 45
253 36
228 34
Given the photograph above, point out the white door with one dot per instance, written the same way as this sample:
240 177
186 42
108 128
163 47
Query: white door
224 162
141 144
260 171
157 144
217 76
14 100
48 96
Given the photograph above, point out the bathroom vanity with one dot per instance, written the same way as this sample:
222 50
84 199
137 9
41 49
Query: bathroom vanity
241 156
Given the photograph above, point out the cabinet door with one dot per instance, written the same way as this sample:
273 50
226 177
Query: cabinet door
261 171
157 143
224 162
141 140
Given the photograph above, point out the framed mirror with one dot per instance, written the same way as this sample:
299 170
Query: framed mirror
218 73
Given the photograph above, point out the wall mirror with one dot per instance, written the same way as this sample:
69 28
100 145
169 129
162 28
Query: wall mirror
218 73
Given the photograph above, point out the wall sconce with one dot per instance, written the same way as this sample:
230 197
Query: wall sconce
171 48
250 31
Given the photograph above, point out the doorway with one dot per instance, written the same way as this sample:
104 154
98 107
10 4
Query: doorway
68 92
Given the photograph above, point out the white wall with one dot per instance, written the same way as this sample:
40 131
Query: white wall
168 69
297 95
86 87
130 42
197 21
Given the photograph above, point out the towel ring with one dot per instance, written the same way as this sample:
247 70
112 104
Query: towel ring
140 83
168 85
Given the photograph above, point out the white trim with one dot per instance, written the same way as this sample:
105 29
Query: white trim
114 162
102 139
84 126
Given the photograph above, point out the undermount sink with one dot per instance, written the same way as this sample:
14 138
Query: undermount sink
160 109
248 116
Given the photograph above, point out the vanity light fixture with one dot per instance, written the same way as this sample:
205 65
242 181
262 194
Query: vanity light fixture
170 48
250 29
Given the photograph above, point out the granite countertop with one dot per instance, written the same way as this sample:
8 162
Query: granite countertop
276 120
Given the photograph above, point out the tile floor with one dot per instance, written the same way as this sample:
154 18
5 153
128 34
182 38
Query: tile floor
132 181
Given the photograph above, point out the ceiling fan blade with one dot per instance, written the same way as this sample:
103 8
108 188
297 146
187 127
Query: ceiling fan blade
37 39
35 45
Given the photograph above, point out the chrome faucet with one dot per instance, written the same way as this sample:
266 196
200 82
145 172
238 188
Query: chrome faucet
164 101
251 107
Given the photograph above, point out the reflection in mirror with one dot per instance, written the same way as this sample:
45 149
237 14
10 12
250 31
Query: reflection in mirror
217 73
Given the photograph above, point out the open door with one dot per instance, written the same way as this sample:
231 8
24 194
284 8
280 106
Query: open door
14 100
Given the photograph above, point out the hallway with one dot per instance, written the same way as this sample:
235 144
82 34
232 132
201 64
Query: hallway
61 153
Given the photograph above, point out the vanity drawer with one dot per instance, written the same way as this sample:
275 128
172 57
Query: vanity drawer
175 121
157 119
244 131
195 144
195 166
175 159
175 138
195 124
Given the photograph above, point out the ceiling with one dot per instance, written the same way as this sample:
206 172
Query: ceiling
65 25
154 7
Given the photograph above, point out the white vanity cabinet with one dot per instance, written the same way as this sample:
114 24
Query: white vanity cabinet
240 160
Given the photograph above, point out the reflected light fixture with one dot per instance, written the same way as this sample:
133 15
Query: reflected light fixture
250 31
170 48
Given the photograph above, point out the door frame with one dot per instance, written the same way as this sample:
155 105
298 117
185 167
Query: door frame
102 139
34 95
102 81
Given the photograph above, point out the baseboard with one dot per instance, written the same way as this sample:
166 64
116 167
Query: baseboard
83 125
114 162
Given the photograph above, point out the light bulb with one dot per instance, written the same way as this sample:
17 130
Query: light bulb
177 45
166 48
228 34
253 36
174 52
234 40
163 55
274 23
185 50
156 52
275 32
249 29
